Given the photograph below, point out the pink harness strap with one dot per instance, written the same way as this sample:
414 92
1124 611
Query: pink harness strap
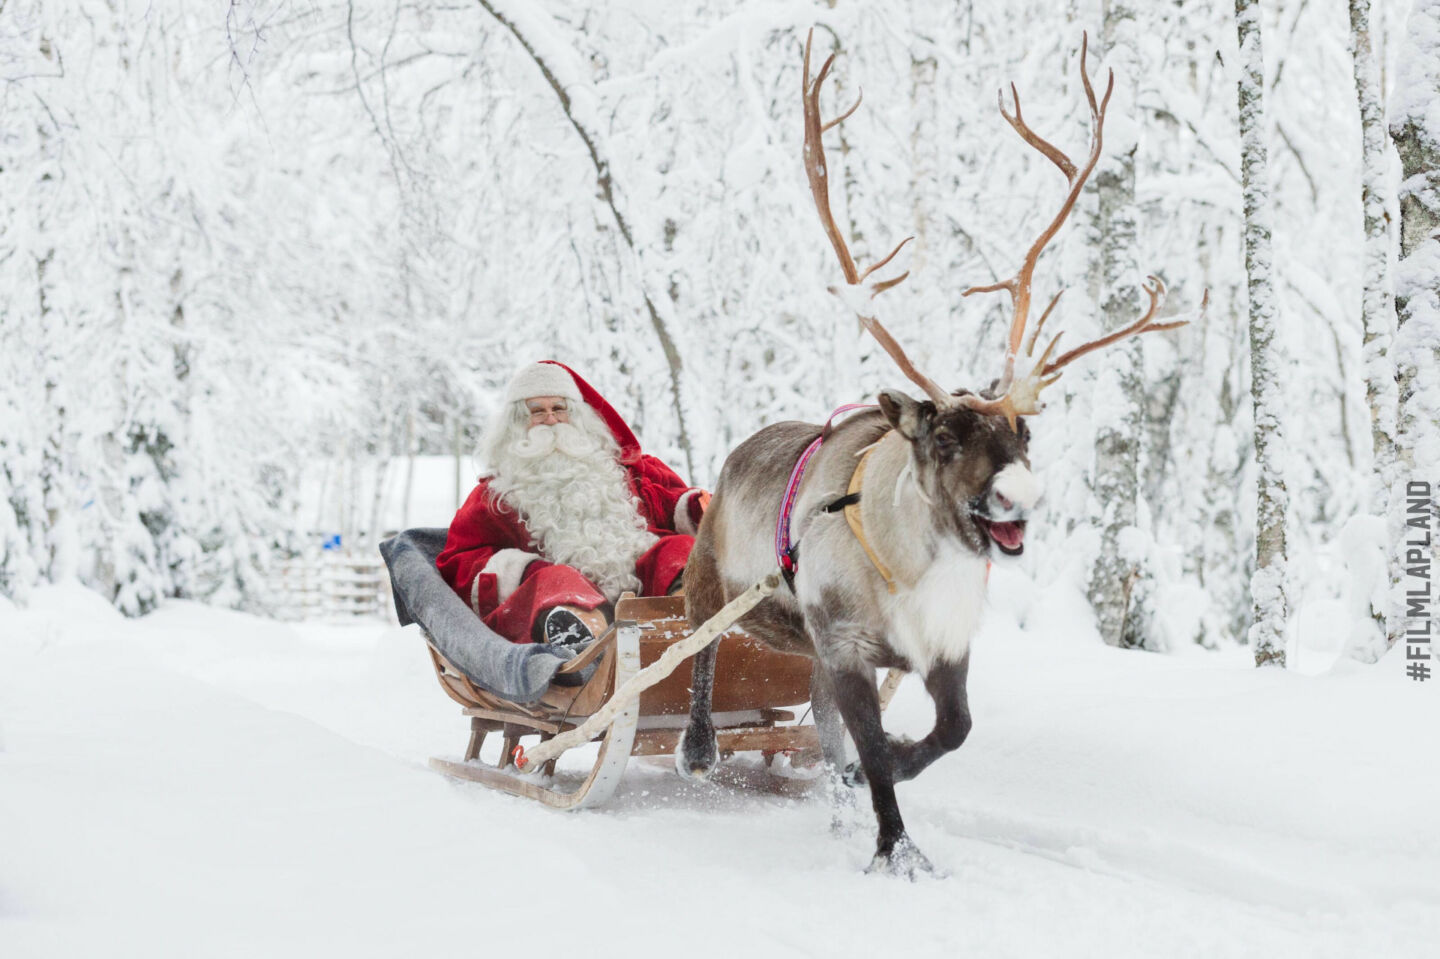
784 546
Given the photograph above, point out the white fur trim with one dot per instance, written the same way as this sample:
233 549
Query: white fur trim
541 379
682 513
507 566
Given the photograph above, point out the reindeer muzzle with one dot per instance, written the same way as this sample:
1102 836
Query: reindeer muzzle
1005 506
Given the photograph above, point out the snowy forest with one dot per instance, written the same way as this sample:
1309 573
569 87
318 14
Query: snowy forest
267 264
243 240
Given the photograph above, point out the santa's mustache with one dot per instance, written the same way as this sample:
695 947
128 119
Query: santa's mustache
564 438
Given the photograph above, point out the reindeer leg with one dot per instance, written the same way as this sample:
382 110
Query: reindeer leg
855 694
831 727
698 751
946 684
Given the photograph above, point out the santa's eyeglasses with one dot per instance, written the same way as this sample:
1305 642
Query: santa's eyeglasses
542 411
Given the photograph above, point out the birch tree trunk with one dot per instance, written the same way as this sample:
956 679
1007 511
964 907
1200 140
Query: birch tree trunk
578 102
1377 309
1415 128
1267 584
53 557
57 559
1119 393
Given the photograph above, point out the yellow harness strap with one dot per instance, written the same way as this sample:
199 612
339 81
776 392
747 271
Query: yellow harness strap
852 516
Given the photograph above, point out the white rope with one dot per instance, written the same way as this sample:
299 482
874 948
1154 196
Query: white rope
673 656
908 473
888 687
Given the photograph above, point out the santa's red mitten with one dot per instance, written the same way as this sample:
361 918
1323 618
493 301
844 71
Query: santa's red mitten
689 509
697 506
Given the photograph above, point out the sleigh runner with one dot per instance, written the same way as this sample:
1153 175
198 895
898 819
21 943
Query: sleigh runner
755 687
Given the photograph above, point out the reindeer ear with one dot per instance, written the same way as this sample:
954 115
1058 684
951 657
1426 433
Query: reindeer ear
905 414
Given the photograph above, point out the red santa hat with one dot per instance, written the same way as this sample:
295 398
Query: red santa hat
541 379
549 378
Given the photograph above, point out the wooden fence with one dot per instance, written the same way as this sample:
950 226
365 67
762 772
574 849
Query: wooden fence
333 584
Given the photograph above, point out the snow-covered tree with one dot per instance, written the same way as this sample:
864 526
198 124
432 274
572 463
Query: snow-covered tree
1415 128
1377 321
1416 133
1267 585
1119 392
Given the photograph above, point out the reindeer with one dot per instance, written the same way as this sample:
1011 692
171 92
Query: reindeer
897 516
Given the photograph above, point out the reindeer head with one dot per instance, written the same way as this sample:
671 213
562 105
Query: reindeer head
972 469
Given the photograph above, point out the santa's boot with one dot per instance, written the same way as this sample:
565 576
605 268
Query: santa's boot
573 628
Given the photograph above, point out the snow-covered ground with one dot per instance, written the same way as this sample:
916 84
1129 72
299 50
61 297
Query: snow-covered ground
204 783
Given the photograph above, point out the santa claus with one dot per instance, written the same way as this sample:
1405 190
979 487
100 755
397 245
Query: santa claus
571 515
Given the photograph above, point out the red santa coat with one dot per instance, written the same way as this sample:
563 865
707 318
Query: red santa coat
476 564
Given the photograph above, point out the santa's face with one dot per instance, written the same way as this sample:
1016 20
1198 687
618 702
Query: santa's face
548 410
563 477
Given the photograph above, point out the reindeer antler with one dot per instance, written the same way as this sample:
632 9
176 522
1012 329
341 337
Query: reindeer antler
818 175
1022 397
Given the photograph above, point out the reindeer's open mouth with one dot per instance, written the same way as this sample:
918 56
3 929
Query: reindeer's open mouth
1010 537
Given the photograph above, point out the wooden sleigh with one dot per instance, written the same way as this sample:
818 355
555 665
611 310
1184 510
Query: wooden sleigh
755 690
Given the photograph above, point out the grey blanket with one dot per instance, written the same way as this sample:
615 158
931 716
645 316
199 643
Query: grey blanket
520 672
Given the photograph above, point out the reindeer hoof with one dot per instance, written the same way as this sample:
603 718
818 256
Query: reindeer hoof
845 813
904 860
696 756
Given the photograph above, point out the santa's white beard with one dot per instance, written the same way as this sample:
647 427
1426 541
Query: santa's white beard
574 498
